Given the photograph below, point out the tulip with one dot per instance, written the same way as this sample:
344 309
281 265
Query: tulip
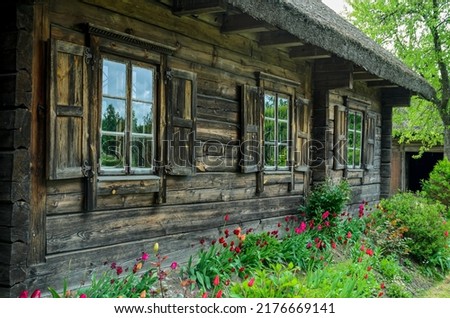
36 294
24 294
251 282
156 247
216 280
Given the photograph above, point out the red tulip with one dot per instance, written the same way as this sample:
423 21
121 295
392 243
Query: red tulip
216 280
36 294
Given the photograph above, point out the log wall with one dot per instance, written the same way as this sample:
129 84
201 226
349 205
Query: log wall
47 235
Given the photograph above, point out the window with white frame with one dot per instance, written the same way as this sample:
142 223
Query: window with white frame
128 98
276 131
354 139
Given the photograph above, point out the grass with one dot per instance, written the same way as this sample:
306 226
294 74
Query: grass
439 290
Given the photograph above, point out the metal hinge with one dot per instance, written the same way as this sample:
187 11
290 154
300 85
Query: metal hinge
86 169
89 57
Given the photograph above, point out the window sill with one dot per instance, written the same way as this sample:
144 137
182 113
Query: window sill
134 177
128 185
279 172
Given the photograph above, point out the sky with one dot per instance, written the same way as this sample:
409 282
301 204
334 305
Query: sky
336 5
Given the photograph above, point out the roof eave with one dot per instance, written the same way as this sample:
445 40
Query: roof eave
354 46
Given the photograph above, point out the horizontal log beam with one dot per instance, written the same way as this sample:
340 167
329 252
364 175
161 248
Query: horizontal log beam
278 39
186 7
244 23
381 84
308 52
333 73
366 77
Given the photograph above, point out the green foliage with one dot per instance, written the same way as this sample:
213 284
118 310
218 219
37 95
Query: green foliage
396 290
343 280
437 187
278 281
383 229
423 224
305 251
328 196
418 33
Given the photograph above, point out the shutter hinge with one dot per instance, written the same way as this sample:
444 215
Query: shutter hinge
168 75
89 57
86 169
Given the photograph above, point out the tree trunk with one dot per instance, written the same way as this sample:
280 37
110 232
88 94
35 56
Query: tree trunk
447 141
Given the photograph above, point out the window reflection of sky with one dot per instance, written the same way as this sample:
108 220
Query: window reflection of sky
114 93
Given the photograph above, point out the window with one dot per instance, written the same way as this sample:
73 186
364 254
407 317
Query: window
127 108
354 136
276 131
354 139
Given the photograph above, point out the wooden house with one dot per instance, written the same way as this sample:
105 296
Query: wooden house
124 123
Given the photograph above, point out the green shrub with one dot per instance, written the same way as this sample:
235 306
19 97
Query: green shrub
328 196
437 187
384 230
278 281
343 280
423 224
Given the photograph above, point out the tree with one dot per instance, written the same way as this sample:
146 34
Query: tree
418 31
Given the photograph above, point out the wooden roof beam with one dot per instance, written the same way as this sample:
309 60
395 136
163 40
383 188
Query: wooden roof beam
333 73
366 77
308 52
187 7
244 23
381 84
278 39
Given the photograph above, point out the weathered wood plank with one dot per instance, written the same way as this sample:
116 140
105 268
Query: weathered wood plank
69 232
15 191
11 275
14 234
123 187
214 108
15 165
13 253
208 130
14 214
64 186
64 203
125 201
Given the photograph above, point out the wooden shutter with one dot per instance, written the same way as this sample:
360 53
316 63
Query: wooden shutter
340 137
181 122
252 160
67 130
369 144
251 134
301 136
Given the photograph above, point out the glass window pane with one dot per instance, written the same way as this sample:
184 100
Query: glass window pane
113 114
269 155
358 122
111 155
141 152
282 156
283 107
358 136
350 139
350 157
142 120
269 130
351 121
142 84
269 106
357 157
282 132
114 78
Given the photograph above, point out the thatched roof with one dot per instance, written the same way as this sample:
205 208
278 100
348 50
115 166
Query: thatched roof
313 22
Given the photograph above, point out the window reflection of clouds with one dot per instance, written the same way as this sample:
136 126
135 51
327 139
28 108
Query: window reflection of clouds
114 78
